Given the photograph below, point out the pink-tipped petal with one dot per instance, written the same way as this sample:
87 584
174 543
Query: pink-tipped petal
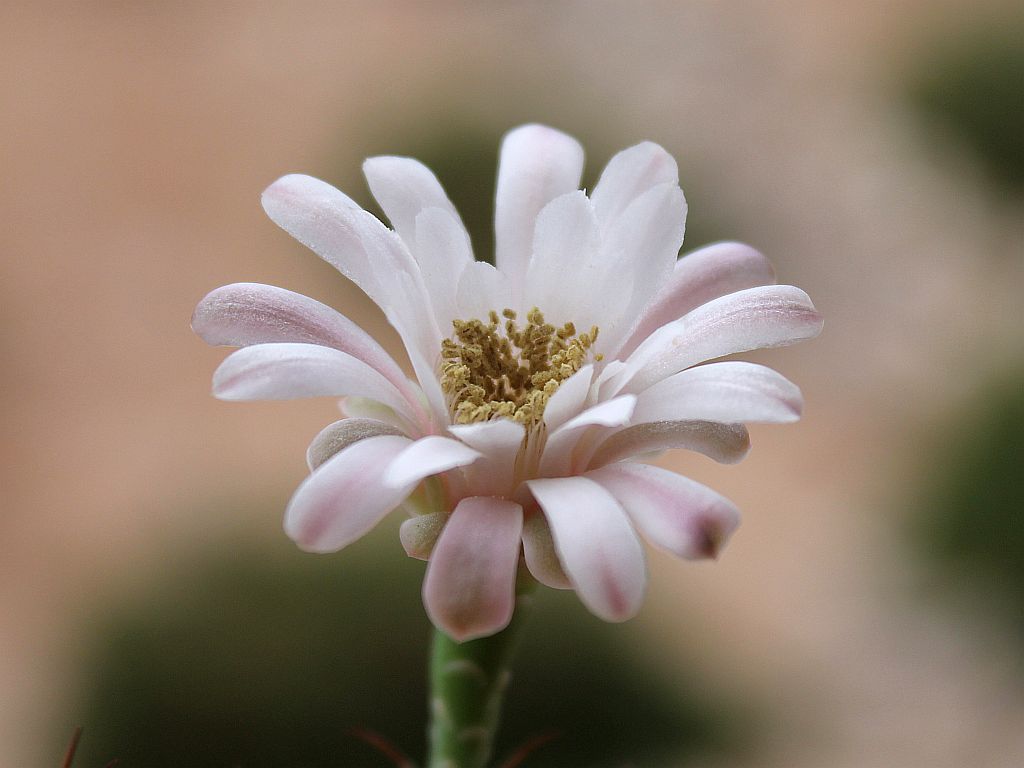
404 187
289 371
540 554
537 165
338 436
596 545
345 498
428 456
628 175
755 318
671 511
730 393
699 277
469 589
724 443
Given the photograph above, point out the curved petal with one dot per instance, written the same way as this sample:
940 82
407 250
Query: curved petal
569 398
557 458
705 274
730 393
540 555
537 165
671 511
469 589
289 371
756 318
345 498
499 440
404 187
596 545
724 443
338 436
244 314
428 456
628 175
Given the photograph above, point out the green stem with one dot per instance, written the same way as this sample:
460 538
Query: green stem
467 682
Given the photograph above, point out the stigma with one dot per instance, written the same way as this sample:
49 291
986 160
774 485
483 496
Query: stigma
497 369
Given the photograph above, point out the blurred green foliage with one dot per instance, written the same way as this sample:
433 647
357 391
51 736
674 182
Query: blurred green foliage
261 658
973 85
970 509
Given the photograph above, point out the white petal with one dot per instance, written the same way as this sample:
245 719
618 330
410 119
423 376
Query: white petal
482 289
419 534
244 314
768 316
404 187
469 589
499 440
558 452
289 371
537 165
730 393
724 443
643 244
338 436
563 270
428 456
540 555
569 398
443 251
345 497
671 511
596 544
628 175
706 274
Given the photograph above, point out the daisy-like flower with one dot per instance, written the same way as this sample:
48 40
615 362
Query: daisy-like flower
541 382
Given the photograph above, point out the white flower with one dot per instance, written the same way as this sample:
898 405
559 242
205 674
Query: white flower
539 381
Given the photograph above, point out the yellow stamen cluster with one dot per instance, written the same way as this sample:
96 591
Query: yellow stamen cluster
492 370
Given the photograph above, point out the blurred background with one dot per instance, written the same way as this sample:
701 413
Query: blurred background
868 614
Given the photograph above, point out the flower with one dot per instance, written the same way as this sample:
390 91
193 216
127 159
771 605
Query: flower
540 381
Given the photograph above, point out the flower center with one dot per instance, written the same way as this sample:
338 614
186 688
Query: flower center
493 370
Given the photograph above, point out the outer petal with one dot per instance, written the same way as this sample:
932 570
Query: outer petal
769 316
338 436
345 498
729 393
469 589
404 187
597 546
671 511
419 534
537 165
628 175
289 371
428 456
724 443
244 314
706 274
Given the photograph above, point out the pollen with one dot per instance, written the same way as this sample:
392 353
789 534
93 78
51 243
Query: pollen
499 369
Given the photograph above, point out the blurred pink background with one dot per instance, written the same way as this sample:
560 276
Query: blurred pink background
135 139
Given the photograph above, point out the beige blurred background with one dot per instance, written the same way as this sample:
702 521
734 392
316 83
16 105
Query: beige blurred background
135 139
